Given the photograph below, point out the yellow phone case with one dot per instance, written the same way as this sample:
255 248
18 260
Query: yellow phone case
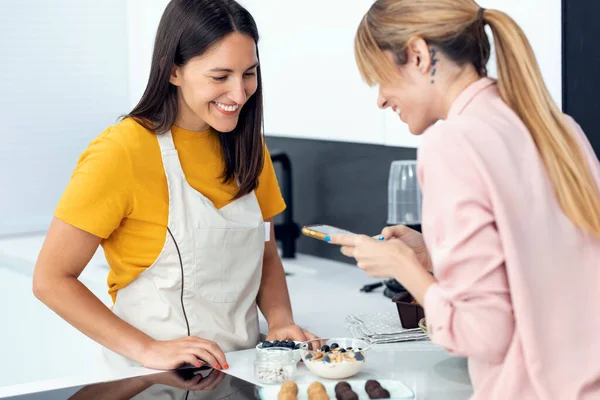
315 234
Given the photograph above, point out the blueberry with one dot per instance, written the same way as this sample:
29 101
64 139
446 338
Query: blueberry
289 344
266 345
342 351
326 358
359 349
334 346
325 349
348 348
297 346
359 357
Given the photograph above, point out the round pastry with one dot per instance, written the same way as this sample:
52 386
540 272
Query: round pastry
371 384
379 393
287 396
316 386
318 395
290 386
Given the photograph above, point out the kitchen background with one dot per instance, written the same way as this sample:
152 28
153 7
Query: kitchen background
71 67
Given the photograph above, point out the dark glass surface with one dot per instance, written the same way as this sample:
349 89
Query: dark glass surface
185 384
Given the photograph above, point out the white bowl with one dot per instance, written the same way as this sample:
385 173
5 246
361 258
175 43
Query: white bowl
335 364
297 353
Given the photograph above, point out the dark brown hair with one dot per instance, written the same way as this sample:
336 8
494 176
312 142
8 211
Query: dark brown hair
187 29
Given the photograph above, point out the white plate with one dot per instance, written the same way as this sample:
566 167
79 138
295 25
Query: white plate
397 389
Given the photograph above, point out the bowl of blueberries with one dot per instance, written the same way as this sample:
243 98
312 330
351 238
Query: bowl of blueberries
334 358
286 344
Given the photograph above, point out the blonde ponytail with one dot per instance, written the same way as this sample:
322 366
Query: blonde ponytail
457 27
522 88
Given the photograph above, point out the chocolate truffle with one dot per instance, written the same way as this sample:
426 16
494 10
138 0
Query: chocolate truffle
379 393
342 386
348 394
371 384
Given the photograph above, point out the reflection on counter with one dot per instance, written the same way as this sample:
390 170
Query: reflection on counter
190 383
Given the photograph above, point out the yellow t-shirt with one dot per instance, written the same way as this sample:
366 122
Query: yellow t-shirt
119 193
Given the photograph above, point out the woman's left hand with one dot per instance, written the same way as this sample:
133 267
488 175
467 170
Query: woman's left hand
379 259
291 332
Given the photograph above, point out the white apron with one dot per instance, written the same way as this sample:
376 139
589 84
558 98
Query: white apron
206 279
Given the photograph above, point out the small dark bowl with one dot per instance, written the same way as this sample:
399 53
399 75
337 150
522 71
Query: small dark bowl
410 313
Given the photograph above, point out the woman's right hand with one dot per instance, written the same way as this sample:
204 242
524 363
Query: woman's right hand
171 354
412 239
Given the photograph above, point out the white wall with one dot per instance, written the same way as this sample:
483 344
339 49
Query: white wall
312 86
63 79
143 17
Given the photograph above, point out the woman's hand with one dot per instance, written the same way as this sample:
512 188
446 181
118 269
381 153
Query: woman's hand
391 258
291 332
379 259
171 354
412 239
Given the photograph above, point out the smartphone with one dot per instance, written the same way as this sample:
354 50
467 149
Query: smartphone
321 231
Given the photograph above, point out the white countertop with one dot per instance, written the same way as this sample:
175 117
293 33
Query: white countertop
323 293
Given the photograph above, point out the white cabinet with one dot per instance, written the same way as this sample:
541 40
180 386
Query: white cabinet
312 87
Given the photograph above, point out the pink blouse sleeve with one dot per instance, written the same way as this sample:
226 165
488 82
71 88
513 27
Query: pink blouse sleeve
468 310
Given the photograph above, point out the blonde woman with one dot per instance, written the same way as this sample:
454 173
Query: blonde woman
511 212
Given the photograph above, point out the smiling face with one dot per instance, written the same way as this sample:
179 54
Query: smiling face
213 88
412 95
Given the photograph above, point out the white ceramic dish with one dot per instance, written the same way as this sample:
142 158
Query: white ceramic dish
335 365
397 389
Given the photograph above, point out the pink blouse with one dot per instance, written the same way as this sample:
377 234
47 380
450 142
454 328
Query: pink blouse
518 289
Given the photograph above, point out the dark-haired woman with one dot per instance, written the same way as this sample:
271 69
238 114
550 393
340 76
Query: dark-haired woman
180 194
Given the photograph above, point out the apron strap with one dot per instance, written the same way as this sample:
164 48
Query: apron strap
170 158
165 141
